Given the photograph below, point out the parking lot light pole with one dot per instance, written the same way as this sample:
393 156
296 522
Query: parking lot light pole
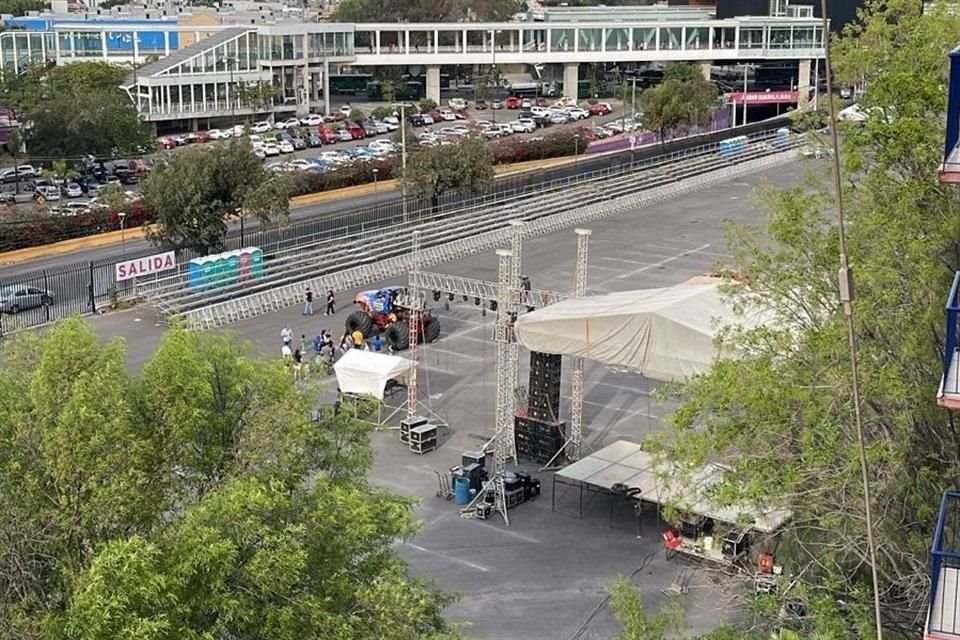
123 240
376 172
403 158
493 70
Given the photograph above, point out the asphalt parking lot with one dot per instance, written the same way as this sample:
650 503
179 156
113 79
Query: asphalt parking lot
544 577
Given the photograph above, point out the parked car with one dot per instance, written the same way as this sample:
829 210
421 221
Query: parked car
600 132
73 190
576 113
369 128
496 104
416 120
314 140
427 119
525 104
260 153
327 135
513 102
311 120
299 144
447 116
260 127
74 208
286 147
344 135
49 193
381 128
15 298
457 103
286 124
24 171
220 134
270 149
167 142
357 132
345 111
198 136
558 117
480 104
600 109
523 125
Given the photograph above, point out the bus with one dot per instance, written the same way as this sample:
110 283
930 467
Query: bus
353 84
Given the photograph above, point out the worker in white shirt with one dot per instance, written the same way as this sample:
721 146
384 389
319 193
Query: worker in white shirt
286 335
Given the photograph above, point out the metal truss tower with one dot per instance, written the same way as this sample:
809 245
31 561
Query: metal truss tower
503 443
415 302
576 377
516 295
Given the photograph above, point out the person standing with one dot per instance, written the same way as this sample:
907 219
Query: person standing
286 334
303 343
331 304
308 303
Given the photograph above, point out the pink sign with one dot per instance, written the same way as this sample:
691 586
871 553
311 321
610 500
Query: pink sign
765 97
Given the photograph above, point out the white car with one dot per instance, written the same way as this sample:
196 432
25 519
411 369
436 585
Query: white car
255 140
312 120
576 113
287 124
238 130
346 110
219 134
457 103
261 127
523 127
334 157
73 208
269 150
392 120
557 117
285 147
381 144
427 118
526 104
73 190
448 116
260 153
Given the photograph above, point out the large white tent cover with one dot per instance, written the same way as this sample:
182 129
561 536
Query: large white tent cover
367 372
663 334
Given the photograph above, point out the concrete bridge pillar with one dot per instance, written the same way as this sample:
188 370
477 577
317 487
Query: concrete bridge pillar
571 80
433 83
803 81
705 69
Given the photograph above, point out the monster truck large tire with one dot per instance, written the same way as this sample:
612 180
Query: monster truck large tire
358 320
397 335
431 331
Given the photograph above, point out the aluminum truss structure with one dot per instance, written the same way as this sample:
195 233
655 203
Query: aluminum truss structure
415 304
576 376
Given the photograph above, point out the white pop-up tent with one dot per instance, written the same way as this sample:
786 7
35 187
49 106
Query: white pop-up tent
663 334
367 372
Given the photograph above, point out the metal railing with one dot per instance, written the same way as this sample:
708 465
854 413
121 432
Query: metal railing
554 193
383 254
950 381
943 616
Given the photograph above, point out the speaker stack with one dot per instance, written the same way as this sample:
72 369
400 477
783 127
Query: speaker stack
540 435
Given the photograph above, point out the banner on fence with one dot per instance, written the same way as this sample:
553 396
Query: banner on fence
129 269
765 97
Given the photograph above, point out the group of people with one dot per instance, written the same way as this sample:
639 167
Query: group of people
322 347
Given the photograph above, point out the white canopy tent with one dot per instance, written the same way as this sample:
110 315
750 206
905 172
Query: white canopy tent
663 334
367 372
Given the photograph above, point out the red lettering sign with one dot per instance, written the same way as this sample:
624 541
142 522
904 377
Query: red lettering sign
765 97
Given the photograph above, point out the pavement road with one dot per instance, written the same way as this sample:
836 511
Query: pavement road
546 576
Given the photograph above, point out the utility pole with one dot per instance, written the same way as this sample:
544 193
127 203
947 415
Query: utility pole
576 378
744 97
403 158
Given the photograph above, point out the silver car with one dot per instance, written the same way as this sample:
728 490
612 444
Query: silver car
19 297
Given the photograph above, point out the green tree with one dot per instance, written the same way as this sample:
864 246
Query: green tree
194 500
113 197
466 167
199 189
683 99
61 171
426 10
482 87
638 623
389 91
22 7
256 96
381 112
788 400
408 133
426 104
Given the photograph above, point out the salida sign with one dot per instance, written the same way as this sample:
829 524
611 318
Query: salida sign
137 267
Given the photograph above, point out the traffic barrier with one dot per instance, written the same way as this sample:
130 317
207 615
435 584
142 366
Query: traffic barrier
471 237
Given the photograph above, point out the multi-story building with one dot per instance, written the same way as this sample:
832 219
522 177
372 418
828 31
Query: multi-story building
193 70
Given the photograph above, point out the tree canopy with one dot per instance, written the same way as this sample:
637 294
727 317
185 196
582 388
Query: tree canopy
194 500
466 166
195 193
75 109
22 7
426 10
782 417
683 99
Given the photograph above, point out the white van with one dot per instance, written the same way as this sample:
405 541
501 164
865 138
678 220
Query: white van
458 104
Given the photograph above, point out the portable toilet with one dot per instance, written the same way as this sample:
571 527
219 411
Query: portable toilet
782 136
256 261
231 274
195 273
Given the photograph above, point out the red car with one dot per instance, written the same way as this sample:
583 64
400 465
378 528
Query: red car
600 109
356 131
167 142
512 102
326 134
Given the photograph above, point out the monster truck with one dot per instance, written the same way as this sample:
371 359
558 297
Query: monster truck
381 310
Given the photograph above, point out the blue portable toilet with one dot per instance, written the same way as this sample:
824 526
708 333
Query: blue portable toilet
195 273
232 267
256 261
783 136
461 490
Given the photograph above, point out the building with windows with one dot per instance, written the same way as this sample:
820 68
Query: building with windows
200 72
